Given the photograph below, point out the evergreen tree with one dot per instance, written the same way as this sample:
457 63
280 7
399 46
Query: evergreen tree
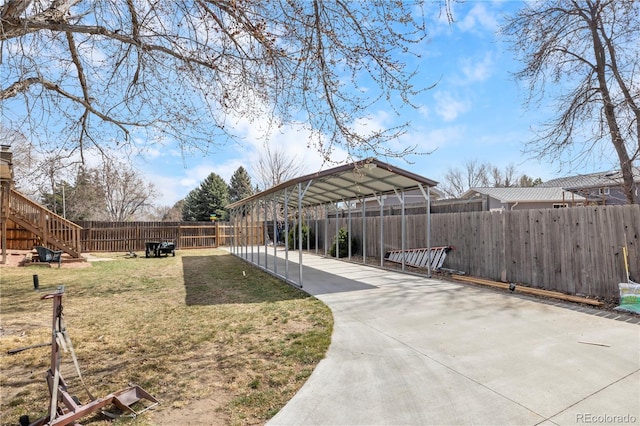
87 201
240 185
211 197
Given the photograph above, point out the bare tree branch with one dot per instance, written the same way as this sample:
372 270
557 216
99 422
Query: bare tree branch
179 71
589 50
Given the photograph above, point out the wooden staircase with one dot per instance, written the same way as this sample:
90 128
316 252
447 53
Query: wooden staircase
53 230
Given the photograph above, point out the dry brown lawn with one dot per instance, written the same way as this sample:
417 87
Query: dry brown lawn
215 345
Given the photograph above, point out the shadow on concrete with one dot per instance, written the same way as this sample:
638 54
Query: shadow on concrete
316 281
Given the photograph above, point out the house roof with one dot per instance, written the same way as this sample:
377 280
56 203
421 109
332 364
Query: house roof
591 180
525 195
350 181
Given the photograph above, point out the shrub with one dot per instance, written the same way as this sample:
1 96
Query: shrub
343 244
293 237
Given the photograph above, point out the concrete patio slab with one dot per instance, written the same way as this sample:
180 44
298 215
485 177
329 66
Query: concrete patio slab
409 350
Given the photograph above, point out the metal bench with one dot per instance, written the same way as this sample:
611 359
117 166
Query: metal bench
47 255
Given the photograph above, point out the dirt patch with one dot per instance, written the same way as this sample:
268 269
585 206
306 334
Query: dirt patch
20 258
14 258
204 412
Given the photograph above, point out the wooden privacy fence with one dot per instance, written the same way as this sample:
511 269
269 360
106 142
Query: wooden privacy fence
131 236
572 250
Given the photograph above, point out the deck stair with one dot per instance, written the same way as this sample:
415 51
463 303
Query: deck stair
52 230
420 257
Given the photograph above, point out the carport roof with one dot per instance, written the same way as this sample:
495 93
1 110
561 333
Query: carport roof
347 182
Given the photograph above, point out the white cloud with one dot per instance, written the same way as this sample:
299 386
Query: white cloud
292 140
478 19
477 70
448 107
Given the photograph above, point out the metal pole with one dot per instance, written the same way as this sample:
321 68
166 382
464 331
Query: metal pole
232 221
274 216
326 228
364 231
243 240
381 230
300 233
286 234
316 226
349 230
404 231
337 232
253 212
429 230
265 235
427 196
235 232
306 215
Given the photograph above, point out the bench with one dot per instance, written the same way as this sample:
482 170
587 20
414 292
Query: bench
47 255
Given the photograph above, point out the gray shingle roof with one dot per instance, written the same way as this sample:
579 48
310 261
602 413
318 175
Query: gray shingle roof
535 194
591 180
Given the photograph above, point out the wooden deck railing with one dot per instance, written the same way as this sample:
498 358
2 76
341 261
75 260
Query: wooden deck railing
53 230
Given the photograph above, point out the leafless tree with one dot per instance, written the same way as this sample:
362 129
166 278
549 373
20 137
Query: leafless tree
475 174
590 50
504 178
275 166
126 194
111 72
457 181
24 161
170 214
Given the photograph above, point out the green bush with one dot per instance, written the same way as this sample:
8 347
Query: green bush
343 244
293 237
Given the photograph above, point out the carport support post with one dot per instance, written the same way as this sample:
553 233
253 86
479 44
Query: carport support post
300 195
306 215
427 195
349 229
403 231
232 243
326 228
402 228
236 231
274 216
286 234
316 221
255 221
364 231
265 234
253 212
244 234
337 231
429 228
381 202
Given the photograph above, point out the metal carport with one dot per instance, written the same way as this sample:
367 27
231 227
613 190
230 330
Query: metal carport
358 181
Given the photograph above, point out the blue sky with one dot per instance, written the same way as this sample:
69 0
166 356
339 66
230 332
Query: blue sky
475 112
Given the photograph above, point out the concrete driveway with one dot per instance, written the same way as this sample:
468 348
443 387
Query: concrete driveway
408 350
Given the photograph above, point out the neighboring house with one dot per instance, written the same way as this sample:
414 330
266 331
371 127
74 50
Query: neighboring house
598 188
411 198
516 198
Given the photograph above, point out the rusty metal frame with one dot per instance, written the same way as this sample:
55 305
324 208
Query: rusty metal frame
65 409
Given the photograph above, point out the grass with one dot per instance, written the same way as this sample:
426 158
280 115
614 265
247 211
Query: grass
202 329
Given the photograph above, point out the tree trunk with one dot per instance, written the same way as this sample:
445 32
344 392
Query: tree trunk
628 186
